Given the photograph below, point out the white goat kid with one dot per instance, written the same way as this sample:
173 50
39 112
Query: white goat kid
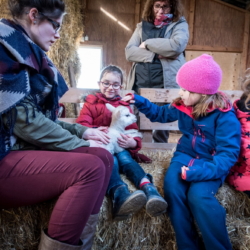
121 118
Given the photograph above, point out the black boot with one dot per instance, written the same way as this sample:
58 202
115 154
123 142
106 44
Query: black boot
125 203
156 205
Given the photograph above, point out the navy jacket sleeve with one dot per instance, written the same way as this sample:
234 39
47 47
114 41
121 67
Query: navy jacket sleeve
155 113
227 137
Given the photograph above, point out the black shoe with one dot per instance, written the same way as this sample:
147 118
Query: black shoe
156 205
125 203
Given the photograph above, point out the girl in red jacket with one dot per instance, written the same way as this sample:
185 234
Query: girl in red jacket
239 176
95 114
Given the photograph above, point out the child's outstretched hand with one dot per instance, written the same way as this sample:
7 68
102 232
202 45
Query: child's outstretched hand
96 134
126 141
128 98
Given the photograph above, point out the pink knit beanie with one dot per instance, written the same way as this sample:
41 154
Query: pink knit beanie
200 75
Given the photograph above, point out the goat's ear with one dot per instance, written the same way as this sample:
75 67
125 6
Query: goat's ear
110 107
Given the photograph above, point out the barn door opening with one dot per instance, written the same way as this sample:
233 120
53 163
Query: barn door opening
91 58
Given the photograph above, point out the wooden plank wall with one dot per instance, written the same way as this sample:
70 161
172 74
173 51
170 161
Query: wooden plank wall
216 28
104 30
221 30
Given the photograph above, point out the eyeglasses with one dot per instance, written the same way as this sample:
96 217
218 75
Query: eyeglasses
164 8
56 26
114 85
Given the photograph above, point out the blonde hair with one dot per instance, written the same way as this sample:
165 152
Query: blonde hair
246 89
176 9
206 103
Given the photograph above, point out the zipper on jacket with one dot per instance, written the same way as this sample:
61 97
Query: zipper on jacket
194 139
203 137
149 74
201 134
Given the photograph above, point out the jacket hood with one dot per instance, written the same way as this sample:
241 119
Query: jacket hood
171 25
240 114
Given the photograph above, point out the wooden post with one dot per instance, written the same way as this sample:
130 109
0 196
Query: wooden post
137 11
191 21
72 79
248 6
245 43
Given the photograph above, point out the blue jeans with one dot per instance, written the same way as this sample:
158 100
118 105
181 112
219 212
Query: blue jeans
189 201
125 164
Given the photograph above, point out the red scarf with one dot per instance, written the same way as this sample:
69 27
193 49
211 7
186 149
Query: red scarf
164 20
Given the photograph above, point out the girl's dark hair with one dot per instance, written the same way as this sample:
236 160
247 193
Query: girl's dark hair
176 9
51 8
112 69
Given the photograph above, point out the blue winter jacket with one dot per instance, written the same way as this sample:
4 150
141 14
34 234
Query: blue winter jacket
209 145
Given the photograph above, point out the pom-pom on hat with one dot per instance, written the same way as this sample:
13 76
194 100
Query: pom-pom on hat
200 75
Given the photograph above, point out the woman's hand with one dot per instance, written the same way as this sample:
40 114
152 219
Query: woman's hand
128 98
142 45
104 129
126 141
97 134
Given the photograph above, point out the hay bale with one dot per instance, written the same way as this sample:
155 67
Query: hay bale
141 231
4 12
64 50
20 228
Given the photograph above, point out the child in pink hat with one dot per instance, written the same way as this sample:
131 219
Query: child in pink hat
208 148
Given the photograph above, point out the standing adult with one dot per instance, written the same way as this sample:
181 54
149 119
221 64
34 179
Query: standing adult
40 157
157 49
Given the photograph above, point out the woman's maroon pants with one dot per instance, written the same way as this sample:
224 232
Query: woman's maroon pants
79 178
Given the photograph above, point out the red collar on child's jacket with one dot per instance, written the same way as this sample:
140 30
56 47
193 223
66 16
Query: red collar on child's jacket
99 97
188 110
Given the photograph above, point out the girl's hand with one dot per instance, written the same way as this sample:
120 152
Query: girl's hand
183 172
96 144
126 141
96 134
128 98
142 45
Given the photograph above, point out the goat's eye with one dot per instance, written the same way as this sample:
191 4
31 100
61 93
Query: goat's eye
127 115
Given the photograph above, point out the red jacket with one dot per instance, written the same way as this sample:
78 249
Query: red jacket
95 114
239 176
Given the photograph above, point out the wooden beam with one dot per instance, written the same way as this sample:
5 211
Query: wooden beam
73 95
158 146
245 43
248 6
137 11
146 124
71 73
191 21
211 48
159 95
229 5
147 136
168 95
